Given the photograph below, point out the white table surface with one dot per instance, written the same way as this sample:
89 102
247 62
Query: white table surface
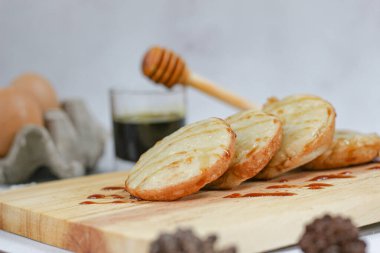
17 244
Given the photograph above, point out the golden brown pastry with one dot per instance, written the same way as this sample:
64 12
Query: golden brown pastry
183 162
258 139
308 127
348 148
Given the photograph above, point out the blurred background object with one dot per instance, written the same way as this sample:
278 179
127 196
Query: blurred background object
69 144
166 67
141 117
256 49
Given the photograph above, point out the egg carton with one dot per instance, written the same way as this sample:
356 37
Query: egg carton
71 143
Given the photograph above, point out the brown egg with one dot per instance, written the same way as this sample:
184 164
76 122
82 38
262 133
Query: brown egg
38 87
16 110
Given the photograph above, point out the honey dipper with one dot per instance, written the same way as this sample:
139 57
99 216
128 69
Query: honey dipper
166 67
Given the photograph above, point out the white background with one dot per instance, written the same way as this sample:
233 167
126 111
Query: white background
257 49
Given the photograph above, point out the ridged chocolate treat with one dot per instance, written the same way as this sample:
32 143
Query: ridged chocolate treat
331 235
185 241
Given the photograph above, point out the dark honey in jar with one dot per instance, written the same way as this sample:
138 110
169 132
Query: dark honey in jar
135 134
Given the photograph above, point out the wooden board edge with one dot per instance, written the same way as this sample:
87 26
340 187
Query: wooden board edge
77 237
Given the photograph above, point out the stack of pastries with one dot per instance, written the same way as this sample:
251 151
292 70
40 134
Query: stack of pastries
297 131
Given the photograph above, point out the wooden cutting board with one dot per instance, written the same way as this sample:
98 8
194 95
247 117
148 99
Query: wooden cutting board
51 213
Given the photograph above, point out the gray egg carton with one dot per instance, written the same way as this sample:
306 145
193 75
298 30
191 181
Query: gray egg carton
71 143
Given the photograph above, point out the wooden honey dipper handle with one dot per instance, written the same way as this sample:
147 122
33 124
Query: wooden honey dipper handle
208 87
166 67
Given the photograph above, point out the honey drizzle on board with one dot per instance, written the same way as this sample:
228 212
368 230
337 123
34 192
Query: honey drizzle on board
309 186
312 186
317 186
96 196
330 176
101 196
260 194
121 199
282 186
113 188
101 203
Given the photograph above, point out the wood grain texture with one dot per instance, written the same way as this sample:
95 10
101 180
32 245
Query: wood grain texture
50 212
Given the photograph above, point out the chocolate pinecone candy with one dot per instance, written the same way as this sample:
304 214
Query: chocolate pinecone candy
331 235
184 241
